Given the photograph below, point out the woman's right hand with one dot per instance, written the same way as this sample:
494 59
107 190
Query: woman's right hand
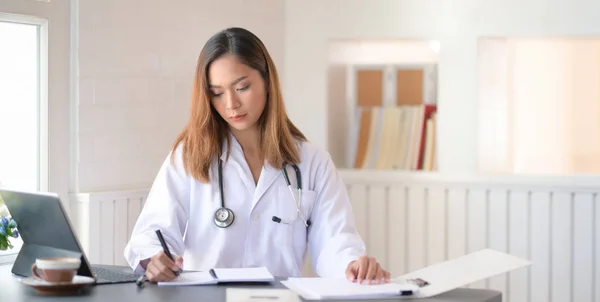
161 268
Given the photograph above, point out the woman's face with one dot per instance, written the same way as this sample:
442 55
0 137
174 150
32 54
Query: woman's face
238 92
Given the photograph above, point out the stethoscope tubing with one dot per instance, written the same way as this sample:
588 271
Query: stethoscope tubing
230 217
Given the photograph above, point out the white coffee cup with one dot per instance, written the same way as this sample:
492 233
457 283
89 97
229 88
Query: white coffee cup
61 269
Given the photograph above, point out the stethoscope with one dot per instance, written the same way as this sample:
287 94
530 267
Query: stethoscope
224 216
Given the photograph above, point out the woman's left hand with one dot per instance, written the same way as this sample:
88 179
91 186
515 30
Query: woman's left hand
366 269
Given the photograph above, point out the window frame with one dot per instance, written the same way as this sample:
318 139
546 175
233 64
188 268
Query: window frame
42 102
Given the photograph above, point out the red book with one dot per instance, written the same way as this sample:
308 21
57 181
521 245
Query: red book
428 110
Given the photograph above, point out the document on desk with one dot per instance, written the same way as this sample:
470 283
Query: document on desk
260 295
429 281
222 275
461 271
341 288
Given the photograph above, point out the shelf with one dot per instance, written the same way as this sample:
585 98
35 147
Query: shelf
390 116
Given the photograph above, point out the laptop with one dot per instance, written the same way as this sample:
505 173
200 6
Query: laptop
46 231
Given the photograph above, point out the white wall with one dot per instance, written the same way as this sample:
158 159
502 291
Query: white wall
406 51
136 66
337 113
311 24
58 12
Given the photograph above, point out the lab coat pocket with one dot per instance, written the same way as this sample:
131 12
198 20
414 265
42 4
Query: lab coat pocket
293 216
292 228
291 213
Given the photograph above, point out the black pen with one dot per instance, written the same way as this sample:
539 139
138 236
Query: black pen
140 281
166 249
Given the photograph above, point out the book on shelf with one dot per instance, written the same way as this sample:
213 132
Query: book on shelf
395 137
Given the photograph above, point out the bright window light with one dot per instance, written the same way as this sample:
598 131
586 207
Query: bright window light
539 105
19 106
23 126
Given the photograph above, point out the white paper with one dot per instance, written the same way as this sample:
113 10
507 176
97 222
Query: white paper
254 274
339 288
260 295
442 277
458 272
190 278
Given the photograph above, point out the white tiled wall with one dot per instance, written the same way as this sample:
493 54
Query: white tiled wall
136 65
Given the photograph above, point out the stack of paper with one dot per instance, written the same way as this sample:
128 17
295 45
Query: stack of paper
222 275
336 288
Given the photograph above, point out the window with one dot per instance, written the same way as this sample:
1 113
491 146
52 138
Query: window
23 106
539 105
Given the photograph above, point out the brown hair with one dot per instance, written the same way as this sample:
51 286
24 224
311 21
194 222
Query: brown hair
203 136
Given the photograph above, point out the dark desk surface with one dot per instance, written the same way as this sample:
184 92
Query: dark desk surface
12 290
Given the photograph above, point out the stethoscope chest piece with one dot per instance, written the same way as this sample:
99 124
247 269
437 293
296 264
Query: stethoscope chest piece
224 217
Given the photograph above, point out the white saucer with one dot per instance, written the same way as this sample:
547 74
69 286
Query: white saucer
59 288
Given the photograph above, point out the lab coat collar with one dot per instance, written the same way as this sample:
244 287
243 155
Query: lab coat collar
237 160
268 174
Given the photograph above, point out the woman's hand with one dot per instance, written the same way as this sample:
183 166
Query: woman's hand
366 269
161 268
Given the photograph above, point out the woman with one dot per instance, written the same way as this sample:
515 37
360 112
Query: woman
222 199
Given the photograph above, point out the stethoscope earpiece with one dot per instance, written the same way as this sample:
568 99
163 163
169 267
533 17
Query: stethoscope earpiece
278 220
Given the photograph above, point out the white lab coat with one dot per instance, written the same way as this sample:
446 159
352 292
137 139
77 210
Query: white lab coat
183 209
